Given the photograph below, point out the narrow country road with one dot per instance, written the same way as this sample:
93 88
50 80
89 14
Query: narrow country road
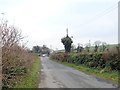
55 75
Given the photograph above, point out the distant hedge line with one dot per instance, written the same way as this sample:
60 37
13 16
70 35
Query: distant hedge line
107 60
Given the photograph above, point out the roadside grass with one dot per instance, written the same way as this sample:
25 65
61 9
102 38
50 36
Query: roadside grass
111 76
31 79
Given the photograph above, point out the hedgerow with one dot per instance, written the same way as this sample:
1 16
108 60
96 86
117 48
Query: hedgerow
16 58
107 60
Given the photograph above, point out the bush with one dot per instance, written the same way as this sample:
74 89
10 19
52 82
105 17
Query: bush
106 60
60 56
16 60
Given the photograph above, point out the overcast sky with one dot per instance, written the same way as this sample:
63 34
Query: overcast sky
45 21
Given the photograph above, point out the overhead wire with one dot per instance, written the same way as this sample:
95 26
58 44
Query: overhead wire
99 15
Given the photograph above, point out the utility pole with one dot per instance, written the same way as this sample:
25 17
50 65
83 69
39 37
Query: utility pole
51 47
119 34
89 44
119 23
1 27
67 31
2 18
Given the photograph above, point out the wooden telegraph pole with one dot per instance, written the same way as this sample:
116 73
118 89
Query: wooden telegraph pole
119 23
67 31
118 37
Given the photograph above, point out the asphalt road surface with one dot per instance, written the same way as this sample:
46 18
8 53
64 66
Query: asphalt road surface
55 75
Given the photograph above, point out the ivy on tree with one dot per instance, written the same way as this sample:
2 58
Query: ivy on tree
67 42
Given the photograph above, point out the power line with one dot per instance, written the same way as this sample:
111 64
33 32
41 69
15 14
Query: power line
101 14
108 9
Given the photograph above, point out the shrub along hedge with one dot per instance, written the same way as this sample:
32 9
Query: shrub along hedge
108 61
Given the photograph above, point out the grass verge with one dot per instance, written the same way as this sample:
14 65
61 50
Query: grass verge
31 79
111 76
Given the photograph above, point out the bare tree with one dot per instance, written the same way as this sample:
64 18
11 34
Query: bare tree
104 45
87 46
13 54
80 47
97 44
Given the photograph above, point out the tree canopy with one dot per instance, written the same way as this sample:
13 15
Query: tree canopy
67 41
